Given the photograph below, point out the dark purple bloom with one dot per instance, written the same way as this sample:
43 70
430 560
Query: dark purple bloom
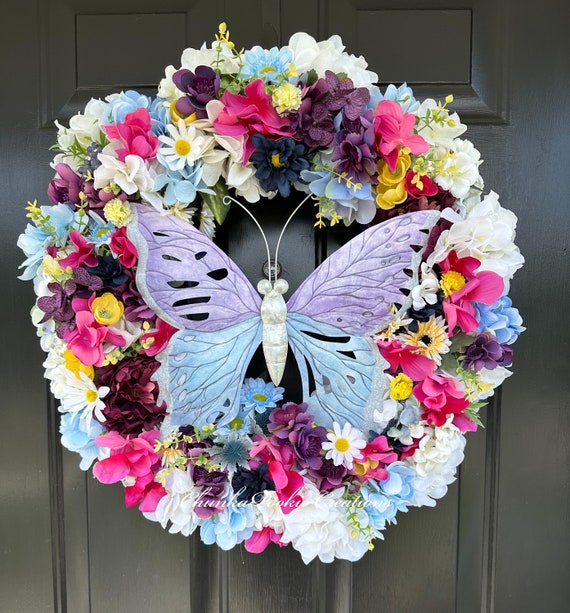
58 305
86 282
314 123
109 270
284 419
66 188
328 476
307 444
344 96
278 162
249 484
200 87
487 352
214 484
135 306
131 404
355 156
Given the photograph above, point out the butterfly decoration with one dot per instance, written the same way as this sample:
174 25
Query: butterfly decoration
328 321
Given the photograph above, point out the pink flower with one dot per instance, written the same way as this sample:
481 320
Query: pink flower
463 286
393 128
416 366
439 398
160 337
375 456
288 484
85 341
123 248
135 134
259 540
83 256
250 114
132 459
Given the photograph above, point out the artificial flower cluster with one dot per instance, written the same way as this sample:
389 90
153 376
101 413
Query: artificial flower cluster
262 122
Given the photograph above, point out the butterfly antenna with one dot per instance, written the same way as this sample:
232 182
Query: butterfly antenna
227 200
287 223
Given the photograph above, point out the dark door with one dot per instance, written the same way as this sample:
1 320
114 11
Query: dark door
499 540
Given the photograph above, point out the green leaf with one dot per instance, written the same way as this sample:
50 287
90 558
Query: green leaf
216 202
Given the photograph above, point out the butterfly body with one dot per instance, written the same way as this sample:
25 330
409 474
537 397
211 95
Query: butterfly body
274 335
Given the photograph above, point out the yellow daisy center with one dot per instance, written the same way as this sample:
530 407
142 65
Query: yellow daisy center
91 395
182 147
276 161
451 282
341 444
260 397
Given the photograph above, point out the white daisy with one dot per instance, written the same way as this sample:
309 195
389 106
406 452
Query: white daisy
83 396
185 145
344 445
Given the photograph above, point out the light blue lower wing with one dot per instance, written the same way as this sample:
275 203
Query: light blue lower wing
346 371
201 373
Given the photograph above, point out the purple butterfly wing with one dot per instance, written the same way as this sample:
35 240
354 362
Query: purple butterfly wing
354 288
185 278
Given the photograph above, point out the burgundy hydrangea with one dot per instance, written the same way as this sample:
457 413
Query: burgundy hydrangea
135 307
214 484
131 404
442 200
344 96
58 305
315 126
487 352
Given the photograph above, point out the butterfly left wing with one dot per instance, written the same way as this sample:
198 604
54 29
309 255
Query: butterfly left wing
201 373
333 312
193 285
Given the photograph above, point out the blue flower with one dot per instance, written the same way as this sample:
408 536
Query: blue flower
260 396
99 230
265 64
77 436
384 499
501 318
278 163
231 450
34 241
403 95
181 185
233 525
120 105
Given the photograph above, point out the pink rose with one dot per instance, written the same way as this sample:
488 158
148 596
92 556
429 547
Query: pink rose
439 398
123 248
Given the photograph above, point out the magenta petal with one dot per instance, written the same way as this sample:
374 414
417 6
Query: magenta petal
464 423
258 541
489 289
111 470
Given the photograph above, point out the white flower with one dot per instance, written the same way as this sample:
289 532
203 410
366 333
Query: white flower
207 225
133 175
319 527
437 126
458 171
185 145
426 292
487 381
435 461
178 506
166 88
268 512
344 445
487 233
228 62
83 396
308 54
56 371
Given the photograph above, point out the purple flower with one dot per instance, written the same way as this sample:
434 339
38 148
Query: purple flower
135 306
355 156
200 87
58 305
328 476
344 96
487 352
214 483
307 444
315 126
66 188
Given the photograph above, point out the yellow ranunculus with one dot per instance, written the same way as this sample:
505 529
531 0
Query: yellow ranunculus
76 366
401 387
106 309
389 178
388 197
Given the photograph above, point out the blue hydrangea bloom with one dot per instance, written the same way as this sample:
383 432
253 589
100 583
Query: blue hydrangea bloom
384 499
181 185
258 395
403 95
266 64
233 525
34 240
120 105
77 436
501 318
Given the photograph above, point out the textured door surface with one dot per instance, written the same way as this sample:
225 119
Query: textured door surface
499 540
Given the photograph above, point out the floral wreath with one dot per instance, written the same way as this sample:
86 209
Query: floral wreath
256 123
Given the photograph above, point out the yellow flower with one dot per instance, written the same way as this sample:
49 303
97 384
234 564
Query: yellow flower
401 387
106 309
76 366
391 189
176 116
286 97
430 339
119 213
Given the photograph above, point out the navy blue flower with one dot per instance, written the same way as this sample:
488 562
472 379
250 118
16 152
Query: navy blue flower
278 162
